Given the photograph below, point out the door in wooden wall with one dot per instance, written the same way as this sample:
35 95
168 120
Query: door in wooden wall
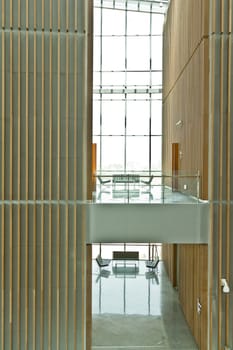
193 289
175 166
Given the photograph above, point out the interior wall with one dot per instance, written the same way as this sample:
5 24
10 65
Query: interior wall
185 95
45 156
186 102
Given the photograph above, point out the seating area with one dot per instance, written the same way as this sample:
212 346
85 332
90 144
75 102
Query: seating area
125 261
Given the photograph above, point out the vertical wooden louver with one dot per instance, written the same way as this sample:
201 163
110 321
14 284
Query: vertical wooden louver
214 67
45 147
221 169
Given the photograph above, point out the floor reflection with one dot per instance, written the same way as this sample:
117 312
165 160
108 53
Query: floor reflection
155 194
137 309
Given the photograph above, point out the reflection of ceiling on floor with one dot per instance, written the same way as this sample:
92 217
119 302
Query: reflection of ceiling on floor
135 312
156 194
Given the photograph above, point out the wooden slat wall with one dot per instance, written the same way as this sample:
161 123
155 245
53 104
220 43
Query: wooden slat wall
185 91
169 256
193 287
190 20
218 93
186 98
45 150
221 96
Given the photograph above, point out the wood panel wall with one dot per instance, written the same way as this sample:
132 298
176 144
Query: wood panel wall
193 288
45 148
185 96
169 256
185 27
186 99
221 165
218 89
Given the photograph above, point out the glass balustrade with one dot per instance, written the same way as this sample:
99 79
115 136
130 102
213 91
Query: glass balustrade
140 187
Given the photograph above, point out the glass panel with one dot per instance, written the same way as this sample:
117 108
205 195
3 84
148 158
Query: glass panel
132 6
113 118
113 22
137 153
137 96
138 117
156 152
97 23
95 250
156 52
141 248
138 78
157 24
157 97
107 249
138 23
138 53
120 4
112 153
117 97
156 117
113 78
96 117
96 54
156 78
96 80
113 53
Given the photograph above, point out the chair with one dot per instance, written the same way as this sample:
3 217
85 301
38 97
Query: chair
103 187
152 264
148 183
103 182
102 262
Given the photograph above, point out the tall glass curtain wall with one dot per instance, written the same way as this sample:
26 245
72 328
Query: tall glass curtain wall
127 106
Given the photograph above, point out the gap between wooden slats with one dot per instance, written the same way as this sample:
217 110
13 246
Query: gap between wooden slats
34 181
3 194
75 188
26 185
67 184
18 194
11 196
58 180
42 193
50 183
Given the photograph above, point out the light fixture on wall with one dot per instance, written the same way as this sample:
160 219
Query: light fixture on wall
179 123
225 285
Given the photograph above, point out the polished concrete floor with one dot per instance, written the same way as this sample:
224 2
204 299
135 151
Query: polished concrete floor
136 309
153 194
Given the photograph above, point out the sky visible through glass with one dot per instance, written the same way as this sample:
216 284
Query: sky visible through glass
127 101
